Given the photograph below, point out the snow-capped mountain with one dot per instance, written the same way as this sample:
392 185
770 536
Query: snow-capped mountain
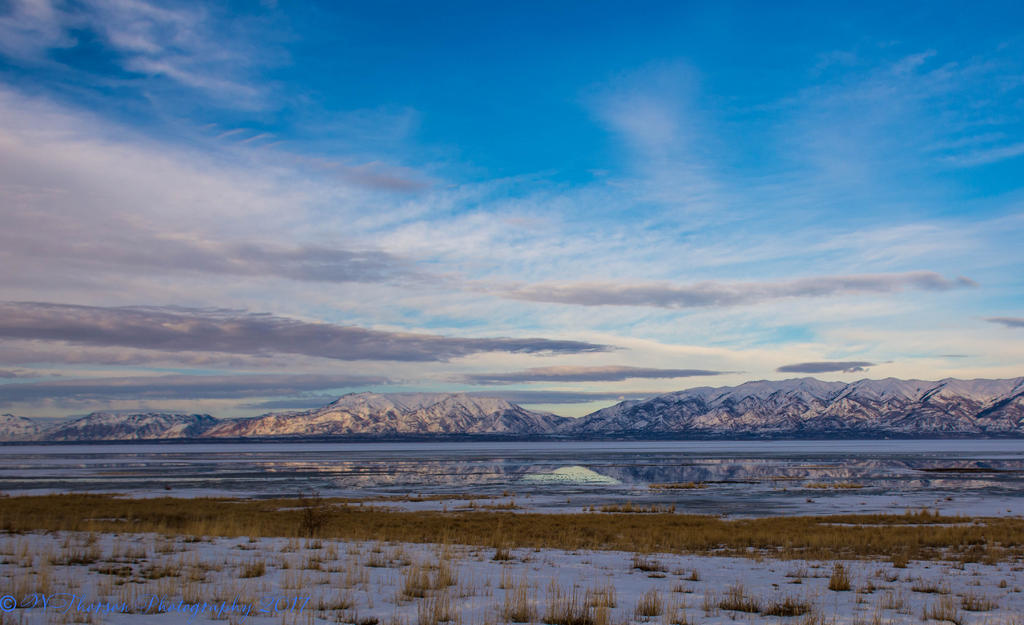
809 407
397 414
771 409
14 428
124 427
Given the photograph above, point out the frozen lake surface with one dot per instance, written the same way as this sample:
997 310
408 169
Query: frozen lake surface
736 478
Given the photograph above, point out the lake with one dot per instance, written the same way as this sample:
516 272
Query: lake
736 478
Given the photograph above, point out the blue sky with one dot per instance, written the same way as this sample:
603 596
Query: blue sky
234 206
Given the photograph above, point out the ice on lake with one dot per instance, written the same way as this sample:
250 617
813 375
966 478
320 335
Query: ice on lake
745 478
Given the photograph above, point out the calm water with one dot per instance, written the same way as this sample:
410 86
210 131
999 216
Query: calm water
739 478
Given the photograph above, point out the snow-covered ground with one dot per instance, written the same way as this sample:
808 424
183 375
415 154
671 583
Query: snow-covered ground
67 577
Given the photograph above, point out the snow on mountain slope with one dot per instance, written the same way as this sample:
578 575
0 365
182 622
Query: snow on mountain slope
14 428
397 414
802 407
121 427
805 406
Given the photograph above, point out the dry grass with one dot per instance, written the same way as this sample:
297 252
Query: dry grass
566 608
601 597
436 608
649 604
253 568
520 603
787 606
631 508
919 536
834 485
737 600
973 602
930 586
647 564
502 554
944 609
840 580
677 486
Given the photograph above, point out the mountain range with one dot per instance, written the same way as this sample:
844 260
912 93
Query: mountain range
797 408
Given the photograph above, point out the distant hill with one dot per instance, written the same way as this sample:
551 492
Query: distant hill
129 427
14 428
398 414
807 407
797 408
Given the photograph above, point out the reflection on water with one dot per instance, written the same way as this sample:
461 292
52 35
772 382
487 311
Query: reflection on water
736 478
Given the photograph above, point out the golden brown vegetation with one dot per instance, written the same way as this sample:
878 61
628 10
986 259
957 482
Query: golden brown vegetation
630 507
943 610
677 486
649 604
835 485
839 581
737 599
919 536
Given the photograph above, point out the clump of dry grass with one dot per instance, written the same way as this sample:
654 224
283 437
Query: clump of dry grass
737 599
649 604
520 603
601 597
416 582
677 486
648 564
437 608
418 579
631 508
929 586
975 602
788 606
893 601
709 603
840 580
833 485
160 570
943 610
565 608
253 568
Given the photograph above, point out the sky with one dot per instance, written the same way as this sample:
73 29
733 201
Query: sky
241 207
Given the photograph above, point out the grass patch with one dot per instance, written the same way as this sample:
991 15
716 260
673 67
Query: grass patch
646 564
737 600
919 536
787 606
834 485
631 508
650 604
677 486
840 580
943 610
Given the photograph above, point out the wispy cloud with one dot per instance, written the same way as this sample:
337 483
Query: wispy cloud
178 387
849 366
562 397
1009 322
188 46
229 331
584 374
30 28
710 294
987 155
